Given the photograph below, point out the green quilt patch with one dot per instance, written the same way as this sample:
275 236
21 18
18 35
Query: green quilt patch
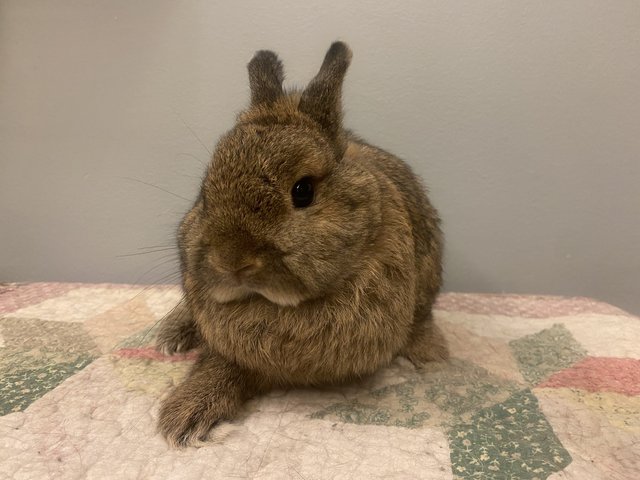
20 388
439 393
31 365
356 412
546 352
507 441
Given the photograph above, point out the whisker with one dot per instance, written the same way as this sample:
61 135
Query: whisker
194 157
161 281
145 253
161 264
155 324
157 246
192 132
155 186
169 279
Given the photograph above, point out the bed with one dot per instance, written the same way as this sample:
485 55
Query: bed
536 387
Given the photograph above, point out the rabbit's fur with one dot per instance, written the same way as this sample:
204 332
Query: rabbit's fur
279 296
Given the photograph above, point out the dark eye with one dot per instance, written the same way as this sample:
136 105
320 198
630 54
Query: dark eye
302 193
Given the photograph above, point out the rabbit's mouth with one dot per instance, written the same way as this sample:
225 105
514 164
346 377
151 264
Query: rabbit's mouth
236 290
230 293
281 297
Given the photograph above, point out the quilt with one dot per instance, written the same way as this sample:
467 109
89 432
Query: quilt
537 387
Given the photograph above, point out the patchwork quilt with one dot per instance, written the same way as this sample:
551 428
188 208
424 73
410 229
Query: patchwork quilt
537 387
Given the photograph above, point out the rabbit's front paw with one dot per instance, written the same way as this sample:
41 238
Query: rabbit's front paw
177 338
185 420
178 332
213 391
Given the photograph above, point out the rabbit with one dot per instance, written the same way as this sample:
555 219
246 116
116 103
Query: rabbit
309 257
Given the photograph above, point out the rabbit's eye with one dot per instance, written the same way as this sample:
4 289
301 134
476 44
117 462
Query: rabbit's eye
302 192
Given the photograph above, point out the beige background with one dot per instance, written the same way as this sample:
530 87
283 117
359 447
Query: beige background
523 117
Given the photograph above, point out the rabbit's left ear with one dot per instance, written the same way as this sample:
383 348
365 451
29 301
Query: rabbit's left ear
265 77
322 99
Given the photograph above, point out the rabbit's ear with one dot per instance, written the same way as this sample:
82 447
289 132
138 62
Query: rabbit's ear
322 99
265 77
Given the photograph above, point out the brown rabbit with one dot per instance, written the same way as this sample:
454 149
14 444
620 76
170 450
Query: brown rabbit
309 257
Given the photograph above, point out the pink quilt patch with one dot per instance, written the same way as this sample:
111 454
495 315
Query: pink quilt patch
15 296
600 374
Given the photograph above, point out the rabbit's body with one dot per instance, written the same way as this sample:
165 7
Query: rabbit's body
344 333
318 283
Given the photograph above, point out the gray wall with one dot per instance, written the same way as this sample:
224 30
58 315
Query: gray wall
523 117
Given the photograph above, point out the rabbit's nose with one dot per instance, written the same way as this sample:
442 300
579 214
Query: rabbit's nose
239 267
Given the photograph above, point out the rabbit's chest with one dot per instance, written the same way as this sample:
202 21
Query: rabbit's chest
307 347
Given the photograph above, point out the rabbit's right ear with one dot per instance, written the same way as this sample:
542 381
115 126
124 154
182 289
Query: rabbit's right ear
265 77
322 99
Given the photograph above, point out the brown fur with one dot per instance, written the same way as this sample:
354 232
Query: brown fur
282 296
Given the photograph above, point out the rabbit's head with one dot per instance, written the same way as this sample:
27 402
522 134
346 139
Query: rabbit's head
281 213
